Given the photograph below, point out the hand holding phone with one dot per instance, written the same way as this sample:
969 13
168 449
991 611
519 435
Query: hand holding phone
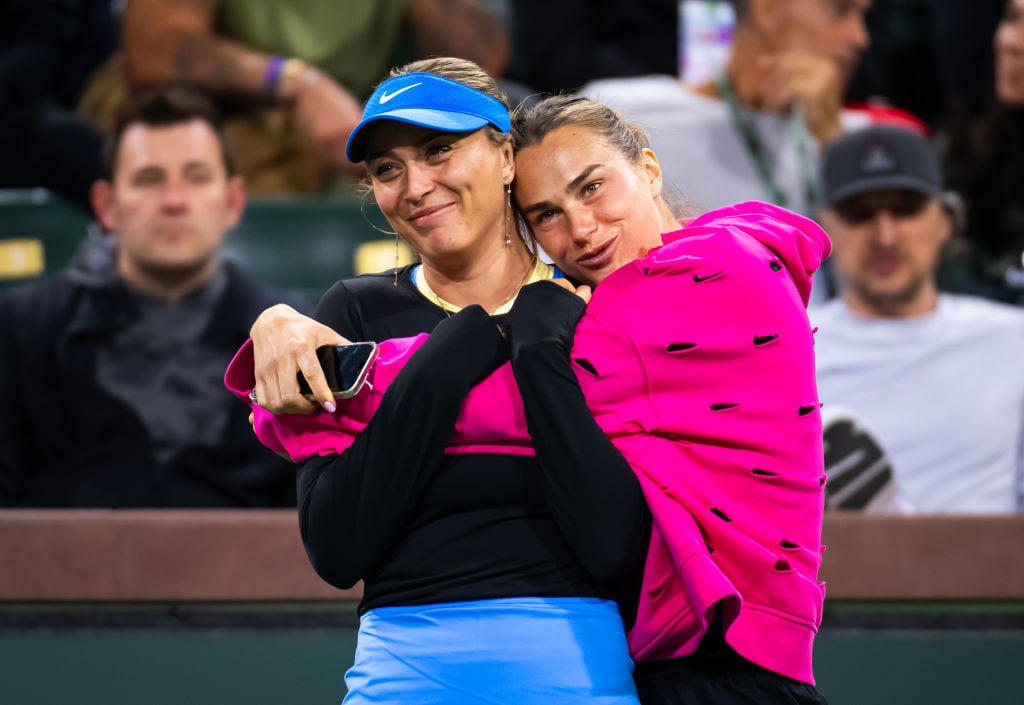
346 368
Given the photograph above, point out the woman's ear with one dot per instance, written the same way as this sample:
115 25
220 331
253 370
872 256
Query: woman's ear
508 164
652 170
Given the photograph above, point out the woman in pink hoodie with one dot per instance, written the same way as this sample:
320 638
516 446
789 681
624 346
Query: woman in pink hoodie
692 367
695 357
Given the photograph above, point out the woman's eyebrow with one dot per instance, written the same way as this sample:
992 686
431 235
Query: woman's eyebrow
418 144
569 188
584 175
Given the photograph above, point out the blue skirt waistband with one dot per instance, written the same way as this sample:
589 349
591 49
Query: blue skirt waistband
526 650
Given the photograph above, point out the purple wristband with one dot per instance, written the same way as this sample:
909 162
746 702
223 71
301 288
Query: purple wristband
272 78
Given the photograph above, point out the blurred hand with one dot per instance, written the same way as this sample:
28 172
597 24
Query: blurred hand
284 344
797 79
327 114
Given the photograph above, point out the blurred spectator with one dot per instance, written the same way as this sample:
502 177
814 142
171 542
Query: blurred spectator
985 162
111 371
754 133
938 377
47 49
291 73
559 46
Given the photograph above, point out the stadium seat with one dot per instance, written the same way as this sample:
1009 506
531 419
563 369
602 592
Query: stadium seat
305 244
39 232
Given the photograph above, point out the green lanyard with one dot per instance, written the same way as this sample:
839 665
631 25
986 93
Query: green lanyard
743 124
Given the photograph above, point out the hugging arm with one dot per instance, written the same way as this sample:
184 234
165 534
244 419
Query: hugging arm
590 488
352 506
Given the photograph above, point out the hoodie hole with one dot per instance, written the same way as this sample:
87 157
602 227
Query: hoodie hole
725 406
782 566
789 545
720 514
765 339
776 267
587 365
680 347
764 473
806 409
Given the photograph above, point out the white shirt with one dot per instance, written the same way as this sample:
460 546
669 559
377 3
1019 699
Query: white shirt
944 393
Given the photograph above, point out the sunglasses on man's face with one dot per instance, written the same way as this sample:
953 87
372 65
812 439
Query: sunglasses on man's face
862 208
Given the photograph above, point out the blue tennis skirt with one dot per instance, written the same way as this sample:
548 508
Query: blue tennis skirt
523 650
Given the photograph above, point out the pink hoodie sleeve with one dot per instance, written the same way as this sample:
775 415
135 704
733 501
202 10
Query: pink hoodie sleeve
302 436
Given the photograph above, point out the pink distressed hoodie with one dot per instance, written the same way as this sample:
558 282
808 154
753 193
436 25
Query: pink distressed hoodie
698 363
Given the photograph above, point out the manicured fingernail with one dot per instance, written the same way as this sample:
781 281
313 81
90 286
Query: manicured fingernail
330 407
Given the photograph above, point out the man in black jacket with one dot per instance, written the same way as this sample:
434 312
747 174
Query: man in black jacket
111 370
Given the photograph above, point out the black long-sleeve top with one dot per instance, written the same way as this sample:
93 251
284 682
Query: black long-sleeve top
419 526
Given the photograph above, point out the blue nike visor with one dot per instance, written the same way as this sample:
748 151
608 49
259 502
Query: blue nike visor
427 100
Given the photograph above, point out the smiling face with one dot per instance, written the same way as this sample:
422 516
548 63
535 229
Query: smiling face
441 191
590 208
1009 46
171 202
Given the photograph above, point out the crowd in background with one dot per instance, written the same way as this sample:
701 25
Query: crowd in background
289 78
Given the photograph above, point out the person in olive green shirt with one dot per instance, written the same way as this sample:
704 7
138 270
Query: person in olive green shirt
291 74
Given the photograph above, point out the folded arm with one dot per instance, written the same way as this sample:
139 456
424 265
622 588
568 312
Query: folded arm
590 488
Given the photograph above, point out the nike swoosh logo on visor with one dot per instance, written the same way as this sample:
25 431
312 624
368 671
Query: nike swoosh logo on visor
385 96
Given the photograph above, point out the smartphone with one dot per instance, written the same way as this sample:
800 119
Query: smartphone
346 368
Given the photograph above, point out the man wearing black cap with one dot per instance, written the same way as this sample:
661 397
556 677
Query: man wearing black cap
936 376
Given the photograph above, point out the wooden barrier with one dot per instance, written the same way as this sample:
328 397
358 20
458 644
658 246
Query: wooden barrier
257 555
167 555
968 558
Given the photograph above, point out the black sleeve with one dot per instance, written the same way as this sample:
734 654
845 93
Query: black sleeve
590 488
353 506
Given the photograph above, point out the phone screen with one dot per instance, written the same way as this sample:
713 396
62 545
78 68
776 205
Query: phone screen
344 366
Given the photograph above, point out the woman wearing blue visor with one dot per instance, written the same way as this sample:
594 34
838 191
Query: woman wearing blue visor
485 579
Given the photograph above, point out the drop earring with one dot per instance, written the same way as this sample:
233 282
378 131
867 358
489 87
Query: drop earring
396 260
508 215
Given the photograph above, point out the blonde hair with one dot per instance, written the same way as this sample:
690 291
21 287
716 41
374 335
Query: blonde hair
533 123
